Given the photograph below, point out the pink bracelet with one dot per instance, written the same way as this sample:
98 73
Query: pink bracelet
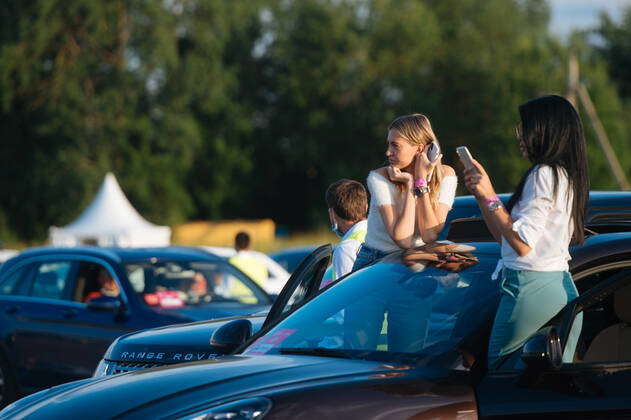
420 182
492 199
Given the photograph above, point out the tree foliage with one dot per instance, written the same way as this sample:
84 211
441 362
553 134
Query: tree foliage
250 108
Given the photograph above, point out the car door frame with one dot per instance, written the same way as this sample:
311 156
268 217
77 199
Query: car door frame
75 258
574 375
321 255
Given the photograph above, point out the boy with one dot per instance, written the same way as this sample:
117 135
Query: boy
347 201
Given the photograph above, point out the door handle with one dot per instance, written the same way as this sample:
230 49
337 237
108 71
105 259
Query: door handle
12 310
70 313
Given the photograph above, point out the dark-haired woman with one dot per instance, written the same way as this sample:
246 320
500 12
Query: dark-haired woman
544 215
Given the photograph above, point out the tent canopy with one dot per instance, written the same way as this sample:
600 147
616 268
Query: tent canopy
110 220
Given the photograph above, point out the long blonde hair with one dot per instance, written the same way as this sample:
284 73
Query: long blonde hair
417 130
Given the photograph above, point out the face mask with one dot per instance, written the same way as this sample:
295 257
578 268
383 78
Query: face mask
336 230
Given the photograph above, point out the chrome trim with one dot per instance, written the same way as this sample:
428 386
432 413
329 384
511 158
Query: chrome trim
114 368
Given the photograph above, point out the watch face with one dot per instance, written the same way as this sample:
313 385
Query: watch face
418 191
494 205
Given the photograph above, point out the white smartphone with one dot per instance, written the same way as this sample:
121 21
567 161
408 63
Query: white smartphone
433 151
465 157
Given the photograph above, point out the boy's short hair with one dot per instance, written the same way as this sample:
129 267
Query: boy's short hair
348 199
241 241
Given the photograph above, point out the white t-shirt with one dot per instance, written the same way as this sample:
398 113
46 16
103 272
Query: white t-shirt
383 192
543 221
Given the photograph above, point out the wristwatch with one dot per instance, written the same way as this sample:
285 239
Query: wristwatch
420 187
493 203
419 191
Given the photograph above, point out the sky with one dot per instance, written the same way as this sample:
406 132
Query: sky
581 14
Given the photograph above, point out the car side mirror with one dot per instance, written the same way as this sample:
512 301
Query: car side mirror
543 351
104 303
231 335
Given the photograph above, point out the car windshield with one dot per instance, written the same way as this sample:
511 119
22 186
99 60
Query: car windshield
391 311
175 284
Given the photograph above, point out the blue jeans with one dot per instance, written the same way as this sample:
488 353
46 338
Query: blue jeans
367 256
529 300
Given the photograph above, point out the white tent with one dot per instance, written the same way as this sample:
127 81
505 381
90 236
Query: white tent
110 220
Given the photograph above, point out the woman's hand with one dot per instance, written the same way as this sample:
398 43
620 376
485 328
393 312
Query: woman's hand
396 175
478 182
423 168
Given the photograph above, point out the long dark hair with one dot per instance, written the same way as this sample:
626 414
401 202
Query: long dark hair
552 134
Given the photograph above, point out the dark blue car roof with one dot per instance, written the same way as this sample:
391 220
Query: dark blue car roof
605 208
119 255
466 205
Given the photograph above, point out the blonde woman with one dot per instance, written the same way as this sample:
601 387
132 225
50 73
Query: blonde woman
411 197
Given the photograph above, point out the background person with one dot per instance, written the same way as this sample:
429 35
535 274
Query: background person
411 197
544 215
249 264
198 291
347 201
107 286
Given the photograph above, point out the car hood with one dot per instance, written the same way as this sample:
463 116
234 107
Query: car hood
173 343
212 310
176 390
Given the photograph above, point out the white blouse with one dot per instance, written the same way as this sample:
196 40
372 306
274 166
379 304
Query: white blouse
383 192
543 221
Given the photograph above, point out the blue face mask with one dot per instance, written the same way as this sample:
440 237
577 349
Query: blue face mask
336 230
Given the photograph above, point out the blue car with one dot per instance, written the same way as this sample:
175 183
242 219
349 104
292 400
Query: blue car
418 351
60 308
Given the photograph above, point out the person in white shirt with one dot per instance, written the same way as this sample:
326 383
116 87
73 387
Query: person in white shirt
347 201
409 202
544 215
410 198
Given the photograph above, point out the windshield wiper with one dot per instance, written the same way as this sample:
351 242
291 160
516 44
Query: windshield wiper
317 351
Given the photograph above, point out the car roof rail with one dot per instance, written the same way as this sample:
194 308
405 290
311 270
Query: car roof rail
474 229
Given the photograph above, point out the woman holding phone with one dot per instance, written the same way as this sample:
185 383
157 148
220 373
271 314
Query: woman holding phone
544 215
409 202
411 196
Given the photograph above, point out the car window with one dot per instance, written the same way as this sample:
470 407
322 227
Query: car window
606 330
229 285
15 282
51 280
94 281
173 284
299 293
389 311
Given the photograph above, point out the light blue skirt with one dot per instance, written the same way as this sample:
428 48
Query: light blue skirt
529 300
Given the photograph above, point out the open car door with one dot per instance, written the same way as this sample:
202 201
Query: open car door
303 284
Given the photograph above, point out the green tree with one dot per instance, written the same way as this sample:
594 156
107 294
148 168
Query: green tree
614 46
144 89
343 70
603 70
250 108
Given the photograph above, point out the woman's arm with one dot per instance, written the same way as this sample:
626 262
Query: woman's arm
494 228
400 222
400 226
499 221
431 220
